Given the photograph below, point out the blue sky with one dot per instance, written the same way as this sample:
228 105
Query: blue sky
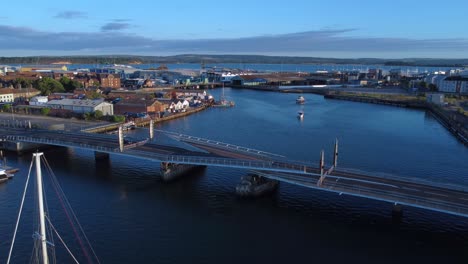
332 28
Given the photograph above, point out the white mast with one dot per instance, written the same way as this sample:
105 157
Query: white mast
45 257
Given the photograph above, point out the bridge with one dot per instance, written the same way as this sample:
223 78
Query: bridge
414 192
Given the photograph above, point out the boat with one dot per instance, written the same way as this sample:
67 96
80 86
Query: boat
300 114
300 100
223 102
44 234
5 175
129 126
253 185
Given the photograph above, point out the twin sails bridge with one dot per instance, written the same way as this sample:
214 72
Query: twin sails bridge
414 192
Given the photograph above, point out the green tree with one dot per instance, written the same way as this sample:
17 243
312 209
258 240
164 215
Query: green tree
48 85
432 87
98 114
70 85
6 107
118 118
95 95
87 116
45 111
423 84
21 82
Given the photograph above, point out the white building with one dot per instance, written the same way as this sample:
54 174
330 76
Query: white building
82 106
6 96
454 84
436 78
38 100
438 99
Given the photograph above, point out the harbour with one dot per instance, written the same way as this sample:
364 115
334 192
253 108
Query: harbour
204 201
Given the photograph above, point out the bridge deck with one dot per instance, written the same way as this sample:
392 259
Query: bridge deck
413 192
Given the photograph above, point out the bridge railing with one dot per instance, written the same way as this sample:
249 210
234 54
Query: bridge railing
179 136
415 180
393 195
56 142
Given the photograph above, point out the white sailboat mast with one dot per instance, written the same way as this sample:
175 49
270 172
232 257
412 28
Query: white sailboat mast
45 257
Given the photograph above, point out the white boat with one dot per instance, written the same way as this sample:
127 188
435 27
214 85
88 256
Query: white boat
5 175
300 114
300 100
44 247
223 102
129 125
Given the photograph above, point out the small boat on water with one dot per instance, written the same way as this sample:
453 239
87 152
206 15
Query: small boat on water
300 100
129 125
300 114
5 175
224 103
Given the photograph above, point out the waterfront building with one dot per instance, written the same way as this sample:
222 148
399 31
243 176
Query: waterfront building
24 94
109 80
454 84
435 78
249 80
38 100
6 96
436 98
139 106
82 106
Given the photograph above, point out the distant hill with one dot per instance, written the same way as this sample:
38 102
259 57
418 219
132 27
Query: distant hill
195 58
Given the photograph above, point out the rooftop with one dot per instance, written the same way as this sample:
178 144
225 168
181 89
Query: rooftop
76 102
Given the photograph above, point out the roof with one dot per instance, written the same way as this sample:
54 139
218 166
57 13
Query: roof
77 102
457 78
18 91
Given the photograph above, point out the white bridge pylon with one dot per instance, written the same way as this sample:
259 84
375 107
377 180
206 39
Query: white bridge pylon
323 173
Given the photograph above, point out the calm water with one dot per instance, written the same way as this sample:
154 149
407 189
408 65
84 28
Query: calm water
132 217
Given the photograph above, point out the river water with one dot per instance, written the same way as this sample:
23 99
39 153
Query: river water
130 216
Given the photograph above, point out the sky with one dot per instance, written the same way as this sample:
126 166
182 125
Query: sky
332 28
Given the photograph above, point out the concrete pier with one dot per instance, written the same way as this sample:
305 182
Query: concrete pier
253 185
397 213
172 171
101 156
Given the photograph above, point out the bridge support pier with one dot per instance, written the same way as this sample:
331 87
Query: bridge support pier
101 156
151 129
254 185
397 212
171 171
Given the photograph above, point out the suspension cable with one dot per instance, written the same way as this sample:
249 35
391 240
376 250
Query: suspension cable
19 214
63 199
61 240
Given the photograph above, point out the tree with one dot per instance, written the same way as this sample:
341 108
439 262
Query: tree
423 84
6 107
432 87
98 114
22 82
48 85
95 95
45 111
70 85
87 116
118 118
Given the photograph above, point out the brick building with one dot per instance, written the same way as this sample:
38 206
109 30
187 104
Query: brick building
109 80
